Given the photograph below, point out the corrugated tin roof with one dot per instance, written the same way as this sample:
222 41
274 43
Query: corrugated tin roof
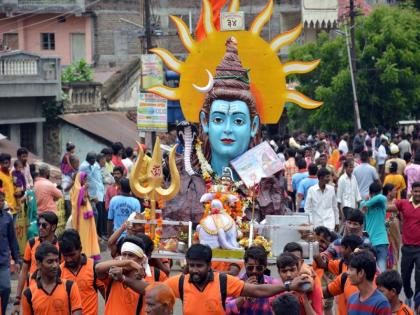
110 126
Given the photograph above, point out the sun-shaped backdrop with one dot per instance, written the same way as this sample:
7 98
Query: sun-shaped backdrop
267 73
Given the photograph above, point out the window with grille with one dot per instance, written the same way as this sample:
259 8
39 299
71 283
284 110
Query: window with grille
48 41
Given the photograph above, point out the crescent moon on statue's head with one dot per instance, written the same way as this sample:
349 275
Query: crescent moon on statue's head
209 85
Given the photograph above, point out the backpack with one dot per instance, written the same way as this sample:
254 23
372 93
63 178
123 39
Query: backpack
340 266
156 274
28 295
343 281
223 288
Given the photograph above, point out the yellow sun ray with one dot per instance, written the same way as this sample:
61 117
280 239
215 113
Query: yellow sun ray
169 59
165 92
286 38
234 6
208 18
300 66
301 100
262 18
184 33
268 75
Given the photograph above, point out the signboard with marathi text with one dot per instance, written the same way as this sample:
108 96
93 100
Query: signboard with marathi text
259 162
152 113
151 71
232 21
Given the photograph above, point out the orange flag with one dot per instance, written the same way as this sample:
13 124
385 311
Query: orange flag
217 6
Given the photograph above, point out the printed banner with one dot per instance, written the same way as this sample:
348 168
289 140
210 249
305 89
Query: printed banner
152 113
259 162
151 71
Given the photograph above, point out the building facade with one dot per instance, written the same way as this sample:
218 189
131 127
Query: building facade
28 84
47 28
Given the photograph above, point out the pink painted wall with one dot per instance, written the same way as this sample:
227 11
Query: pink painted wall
30 34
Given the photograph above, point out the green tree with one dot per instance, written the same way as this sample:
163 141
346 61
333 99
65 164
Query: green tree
388 79
79 71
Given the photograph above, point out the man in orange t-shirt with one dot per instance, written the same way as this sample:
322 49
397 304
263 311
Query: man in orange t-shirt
203 291
47 224
49 294
390 284
341 286
132 264
81 270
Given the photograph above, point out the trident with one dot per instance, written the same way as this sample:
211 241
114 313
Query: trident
149 185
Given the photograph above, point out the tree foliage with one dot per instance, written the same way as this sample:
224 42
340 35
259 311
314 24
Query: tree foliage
79 71
388 79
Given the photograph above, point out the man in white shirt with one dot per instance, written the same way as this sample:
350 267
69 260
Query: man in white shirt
342 146
348 195
129 160
321 203
382 156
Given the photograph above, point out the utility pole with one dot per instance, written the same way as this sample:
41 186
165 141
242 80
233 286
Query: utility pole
352 62
148 25
149 46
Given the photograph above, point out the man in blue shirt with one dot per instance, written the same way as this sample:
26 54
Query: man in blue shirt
299 176
375 212
121 206
369 300
8 244
304 186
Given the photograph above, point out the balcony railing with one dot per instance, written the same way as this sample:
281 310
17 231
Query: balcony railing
46 2
20 66
82 97
25 74
43 5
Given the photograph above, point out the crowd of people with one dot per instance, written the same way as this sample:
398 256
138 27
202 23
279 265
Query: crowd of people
363 199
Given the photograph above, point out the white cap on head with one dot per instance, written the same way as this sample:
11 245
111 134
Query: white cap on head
393 148
129 247
134 218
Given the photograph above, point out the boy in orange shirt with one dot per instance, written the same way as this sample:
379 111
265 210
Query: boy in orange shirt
132 264
81 270
390 284
47 224
49 294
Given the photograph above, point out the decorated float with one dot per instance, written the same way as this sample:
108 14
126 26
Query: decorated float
225 183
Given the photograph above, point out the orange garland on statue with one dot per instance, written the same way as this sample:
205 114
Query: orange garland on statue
159 224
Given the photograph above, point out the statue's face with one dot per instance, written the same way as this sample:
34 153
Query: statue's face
229 127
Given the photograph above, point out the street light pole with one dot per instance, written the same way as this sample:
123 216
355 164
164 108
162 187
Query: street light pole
149 46
148 25
353 82
351 47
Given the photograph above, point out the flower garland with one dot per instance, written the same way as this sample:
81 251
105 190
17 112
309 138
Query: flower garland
159 224
206 171
210 178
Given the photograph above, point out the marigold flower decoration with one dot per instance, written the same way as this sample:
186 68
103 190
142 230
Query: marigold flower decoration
159 224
